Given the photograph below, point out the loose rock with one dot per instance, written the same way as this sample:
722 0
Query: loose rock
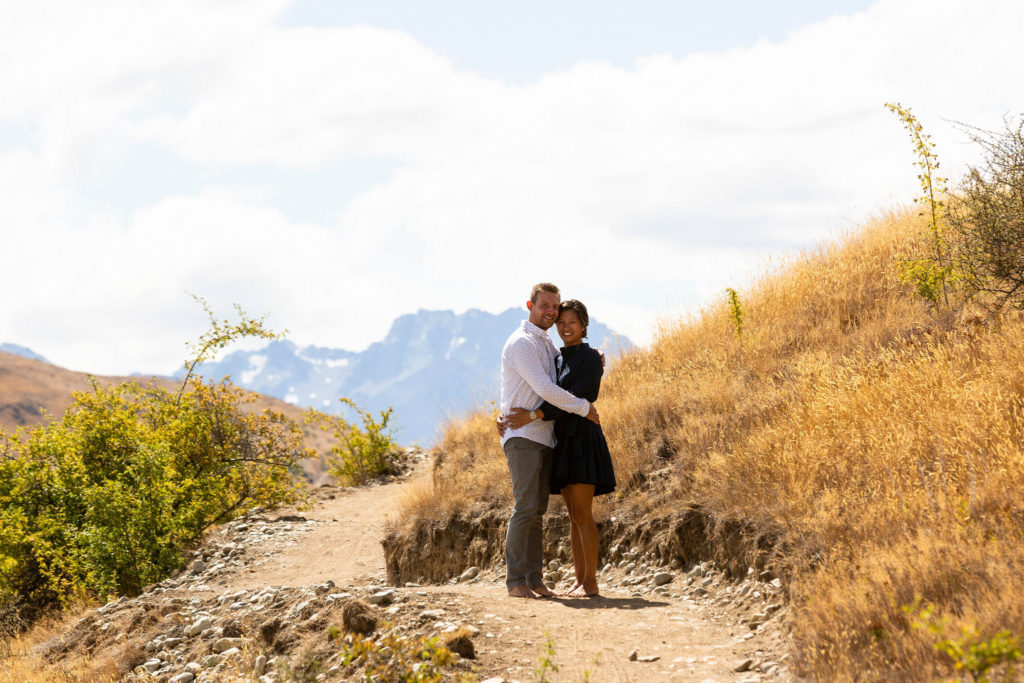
661 578
358 617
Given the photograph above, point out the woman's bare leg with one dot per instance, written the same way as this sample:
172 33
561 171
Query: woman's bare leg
577 547
584 527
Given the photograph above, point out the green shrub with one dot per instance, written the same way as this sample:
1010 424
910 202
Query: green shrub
360 454
105 499
970 651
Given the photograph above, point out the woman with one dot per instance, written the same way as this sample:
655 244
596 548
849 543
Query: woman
582 466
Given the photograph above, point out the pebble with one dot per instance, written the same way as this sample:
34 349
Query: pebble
183 677
744 665
226 644
381 598
661 578
472 573
199 626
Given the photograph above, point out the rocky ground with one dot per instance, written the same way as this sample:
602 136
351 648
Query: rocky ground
298 595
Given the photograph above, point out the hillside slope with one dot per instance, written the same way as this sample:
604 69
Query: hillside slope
30 389
847 438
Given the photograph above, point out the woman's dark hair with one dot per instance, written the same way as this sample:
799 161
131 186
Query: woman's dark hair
580 310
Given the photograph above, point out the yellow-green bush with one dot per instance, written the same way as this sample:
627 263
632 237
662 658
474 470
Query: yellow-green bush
105 499
361 453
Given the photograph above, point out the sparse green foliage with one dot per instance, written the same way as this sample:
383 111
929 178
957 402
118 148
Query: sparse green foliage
971 651
220 334
735 311
988 218
546 663
394 658
929 275
360 454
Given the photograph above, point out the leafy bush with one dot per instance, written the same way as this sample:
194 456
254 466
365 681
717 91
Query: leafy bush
105 499
360 454
988 219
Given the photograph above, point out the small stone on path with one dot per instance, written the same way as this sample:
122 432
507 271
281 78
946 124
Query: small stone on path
744 665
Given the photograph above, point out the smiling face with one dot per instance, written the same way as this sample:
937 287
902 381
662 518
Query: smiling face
570 329
544 310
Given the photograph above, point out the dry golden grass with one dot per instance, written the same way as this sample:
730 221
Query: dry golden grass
22 661
877 443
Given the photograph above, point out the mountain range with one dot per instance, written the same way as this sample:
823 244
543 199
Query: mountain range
431 365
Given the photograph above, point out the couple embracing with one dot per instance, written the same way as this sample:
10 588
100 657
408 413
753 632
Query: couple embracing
552 438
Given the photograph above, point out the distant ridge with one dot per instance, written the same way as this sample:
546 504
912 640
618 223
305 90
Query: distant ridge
22 351
431 365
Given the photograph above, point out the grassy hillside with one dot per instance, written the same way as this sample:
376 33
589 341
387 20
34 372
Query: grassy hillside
869 446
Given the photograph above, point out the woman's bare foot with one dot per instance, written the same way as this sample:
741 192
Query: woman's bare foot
570 591
584 591
543 591
521 592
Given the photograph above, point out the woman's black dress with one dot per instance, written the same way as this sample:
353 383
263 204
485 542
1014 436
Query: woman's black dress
581 452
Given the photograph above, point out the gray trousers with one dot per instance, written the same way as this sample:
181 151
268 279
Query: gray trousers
529 463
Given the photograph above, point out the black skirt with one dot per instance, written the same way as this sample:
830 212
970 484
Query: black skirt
581 456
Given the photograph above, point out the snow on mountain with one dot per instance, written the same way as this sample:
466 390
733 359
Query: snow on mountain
431 365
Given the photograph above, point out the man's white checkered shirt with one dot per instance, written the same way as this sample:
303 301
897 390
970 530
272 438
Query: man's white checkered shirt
528 379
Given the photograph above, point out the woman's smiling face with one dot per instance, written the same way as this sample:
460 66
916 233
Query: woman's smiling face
570 329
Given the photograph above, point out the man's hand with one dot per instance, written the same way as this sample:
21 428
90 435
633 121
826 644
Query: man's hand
516 418
593 416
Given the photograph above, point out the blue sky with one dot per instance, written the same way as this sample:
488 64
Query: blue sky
339 164
523 41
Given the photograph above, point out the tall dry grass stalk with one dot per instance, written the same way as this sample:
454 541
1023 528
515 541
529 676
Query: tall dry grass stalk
875 441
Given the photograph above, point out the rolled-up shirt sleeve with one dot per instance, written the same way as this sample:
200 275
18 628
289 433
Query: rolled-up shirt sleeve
525 363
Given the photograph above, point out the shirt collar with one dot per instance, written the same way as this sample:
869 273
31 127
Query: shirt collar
534 330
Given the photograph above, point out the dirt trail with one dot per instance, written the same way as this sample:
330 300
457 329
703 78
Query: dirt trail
693 639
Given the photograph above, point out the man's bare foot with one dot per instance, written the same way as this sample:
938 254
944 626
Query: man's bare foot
543 591
521 592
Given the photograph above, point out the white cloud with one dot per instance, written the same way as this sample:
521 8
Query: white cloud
642 191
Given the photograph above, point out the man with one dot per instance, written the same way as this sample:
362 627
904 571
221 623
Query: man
527 380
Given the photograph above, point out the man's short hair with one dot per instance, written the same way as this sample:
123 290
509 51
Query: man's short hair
543 287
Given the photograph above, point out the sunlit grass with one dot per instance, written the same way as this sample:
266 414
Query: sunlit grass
875 441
